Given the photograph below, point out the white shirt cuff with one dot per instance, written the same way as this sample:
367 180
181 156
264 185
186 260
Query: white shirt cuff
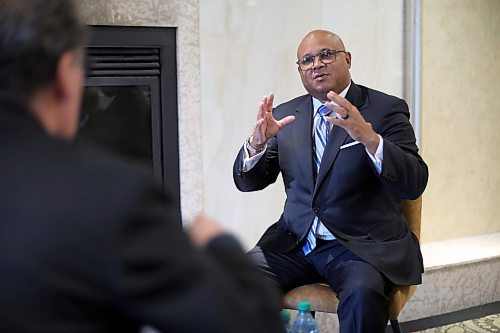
249 162
378 158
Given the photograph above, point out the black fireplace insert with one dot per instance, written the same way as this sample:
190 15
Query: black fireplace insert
130 97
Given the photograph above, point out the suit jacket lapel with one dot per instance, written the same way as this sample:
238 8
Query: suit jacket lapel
302 136
337 137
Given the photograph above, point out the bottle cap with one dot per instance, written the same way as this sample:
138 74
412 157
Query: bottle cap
304 306
285 316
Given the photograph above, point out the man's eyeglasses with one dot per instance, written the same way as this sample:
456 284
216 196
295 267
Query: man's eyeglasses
326 56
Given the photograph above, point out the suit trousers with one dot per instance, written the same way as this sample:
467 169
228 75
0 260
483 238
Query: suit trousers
362 290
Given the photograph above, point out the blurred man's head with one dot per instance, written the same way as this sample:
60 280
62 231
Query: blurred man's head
41 55
323 63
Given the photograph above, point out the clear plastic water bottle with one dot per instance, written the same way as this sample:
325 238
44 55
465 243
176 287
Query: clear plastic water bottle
305 321
285 318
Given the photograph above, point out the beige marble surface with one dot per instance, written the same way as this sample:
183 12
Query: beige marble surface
461 118
459 274
454 288
182 14
459 251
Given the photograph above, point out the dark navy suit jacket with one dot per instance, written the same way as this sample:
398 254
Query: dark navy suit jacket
357 204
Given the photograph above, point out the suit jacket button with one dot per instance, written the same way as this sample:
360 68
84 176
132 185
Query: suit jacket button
315 209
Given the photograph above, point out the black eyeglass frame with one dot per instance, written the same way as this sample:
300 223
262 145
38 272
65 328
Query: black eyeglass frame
323 54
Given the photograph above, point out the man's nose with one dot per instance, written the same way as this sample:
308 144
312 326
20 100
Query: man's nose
317 62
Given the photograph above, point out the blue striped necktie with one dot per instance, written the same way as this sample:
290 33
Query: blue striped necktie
320 139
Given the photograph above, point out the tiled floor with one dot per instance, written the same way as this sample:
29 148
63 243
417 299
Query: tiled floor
485 324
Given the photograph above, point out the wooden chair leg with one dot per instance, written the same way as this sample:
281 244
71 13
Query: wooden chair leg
395 326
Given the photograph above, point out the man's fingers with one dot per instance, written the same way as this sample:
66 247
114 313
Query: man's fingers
285 121
262 112
258 124
270 101
339 110
341 101
335 121
266 106
261 129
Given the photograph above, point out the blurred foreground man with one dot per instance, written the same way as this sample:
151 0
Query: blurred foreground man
89 243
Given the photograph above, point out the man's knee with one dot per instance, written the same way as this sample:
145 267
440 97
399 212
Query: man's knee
364 301
258 258
362 291
364 283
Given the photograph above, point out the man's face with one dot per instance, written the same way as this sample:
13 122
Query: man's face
322 78
78 79
72 77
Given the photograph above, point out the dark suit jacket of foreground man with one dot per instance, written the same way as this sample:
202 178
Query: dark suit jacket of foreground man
89 243
359 206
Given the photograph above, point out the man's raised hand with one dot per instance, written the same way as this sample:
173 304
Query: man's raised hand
266 125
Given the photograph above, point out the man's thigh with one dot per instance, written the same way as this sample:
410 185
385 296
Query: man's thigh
289 270
346 272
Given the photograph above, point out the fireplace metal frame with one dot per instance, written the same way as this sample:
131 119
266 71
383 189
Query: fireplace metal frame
165 136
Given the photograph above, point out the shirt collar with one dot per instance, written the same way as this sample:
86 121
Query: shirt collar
317 103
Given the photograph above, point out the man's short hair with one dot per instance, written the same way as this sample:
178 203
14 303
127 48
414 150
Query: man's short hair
33 36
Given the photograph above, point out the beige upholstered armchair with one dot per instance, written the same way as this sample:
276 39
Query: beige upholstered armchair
324 299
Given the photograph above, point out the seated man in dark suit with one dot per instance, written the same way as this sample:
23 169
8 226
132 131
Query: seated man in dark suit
89 243
347 155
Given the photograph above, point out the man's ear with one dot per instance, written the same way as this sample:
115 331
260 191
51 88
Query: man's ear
348 59
65 75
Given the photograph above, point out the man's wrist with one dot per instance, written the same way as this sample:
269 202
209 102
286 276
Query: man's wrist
373 143
252 150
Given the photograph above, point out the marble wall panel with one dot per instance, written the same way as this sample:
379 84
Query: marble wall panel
452 288
460 118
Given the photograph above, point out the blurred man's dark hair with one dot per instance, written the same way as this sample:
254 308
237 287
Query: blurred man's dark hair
33 36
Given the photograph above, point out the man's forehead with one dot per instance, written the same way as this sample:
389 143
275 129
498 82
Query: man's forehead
316 44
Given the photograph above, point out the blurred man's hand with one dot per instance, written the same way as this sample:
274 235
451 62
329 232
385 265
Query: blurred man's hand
203 230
